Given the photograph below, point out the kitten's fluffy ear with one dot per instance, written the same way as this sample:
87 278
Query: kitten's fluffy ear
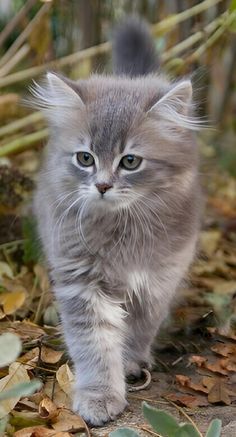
176 105
55 97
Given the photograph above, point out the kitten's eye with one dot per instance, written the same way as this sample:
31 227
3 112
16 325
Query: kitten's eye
85 159
130 162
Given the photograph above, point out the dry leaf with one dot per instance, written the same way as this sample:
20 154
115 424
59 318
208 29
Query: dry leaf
26 330
5 269
224 349
12 301
187 400
50 356
65 379
60 398
42 276
198 360
47 409
209 241
17 374
68 421
219 393
40 431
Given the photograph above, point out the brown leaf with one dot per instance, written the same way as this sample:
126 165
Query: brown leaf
219 393
68 421
17 374
185 381
187 400
198 360
224 349
60 398
40 431
26 330
50 356
47 409
42 276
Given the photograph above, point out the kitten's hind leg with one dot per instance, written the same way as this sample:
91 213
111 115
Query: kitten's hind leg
93 328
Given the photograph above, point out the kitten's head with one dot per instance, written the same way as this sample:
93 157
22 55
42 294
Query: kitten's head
115 140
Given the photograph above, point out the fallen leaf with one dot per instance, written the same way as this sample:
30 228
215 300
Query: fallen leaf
36 431
54 391
17 374
5 270
42 276
209 241
47 409
12 301
187 400
65 379
198 360
50 356
224 349
68 421
25 330
219 393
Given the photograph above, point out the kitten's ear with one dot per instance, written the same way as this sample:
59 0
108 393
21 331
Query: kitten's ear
176 105
55 97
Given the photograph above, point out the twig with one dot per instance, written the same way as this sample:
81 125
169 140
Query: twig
15 20
24 35
185 415
19 124
168 23
23 143
216 35
191 40
143 428
145 384
11 244
19 55
68 60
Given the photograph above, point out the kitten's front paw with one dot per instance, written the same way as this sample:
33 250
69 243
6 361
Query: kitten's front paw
98 408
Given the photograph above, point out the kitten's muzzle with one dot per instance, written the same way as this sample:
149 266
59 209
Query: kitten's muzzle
102 188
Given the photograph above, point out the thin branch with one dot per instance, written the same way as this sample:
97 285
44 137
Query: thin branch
192 39
21 123
23 143
24 35
8 29
68 60
167 24
19 55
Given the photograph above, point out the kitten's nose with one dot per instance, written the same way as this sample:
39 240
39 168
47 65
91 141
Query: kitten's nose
102 188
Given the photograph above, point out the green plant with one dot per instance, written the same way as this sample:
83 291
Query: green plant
167 426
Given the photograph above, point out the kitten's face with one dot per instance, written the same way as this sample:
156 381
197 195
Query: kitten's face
114 149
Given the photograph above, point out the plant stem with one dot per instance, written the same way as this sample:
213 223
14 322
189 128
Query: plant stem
168 23
23 143
185 415
15 20
24 35
19 55
21 123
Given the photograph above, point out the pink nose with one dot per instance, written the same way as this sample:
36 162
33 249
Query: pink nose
102 188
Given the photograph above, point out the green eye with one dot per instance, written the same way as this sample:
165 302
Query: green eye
130 162
85 159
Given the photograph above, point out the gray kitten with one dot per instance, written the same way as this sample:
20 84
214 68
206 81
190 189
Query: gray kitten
118 205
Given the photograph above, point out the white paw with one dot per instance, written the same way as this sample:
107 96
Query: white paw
132 369
97 408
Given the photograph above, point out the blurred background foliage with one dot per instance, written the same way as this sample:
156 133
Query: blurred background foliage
193 38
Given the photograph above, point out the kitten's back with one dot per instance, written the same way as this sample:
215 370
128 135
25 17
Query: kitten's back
134 51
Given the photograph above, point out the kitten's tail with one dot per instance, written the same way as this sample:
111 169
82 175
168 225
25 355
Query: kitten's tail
134 51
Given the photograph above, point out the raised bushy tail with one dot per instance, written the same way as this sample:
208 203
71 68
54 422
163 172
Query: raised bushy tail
134 51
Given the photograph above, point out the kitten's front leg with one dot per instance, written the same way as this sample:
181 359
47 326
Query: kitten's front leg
93 329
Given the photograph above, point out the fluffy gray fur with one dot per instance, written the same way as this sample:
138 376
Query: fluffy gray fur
116 259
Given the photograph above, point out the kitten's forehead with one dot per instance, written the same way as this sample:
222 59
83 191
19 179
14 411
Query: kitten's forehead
110 120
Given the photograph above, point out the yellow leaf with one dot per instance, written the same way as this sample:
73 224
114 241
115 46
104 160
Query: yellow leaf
65 379
11 302
17 374
5 270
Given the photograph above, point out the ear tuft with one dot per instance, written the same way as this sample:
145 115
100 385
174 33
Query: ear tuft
176 107
53 92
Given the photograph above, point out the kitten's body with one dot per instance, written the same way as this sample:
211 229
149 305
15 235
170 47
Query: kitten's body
116 259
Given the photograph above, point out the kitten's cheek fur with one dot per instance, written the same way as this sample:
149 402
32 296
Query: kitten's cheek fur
97 408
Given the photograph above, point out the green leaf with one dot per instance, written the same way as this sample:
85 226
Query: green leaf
161 422
32 250
232 6
10 347
214 429
124 432
187 430
22 389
